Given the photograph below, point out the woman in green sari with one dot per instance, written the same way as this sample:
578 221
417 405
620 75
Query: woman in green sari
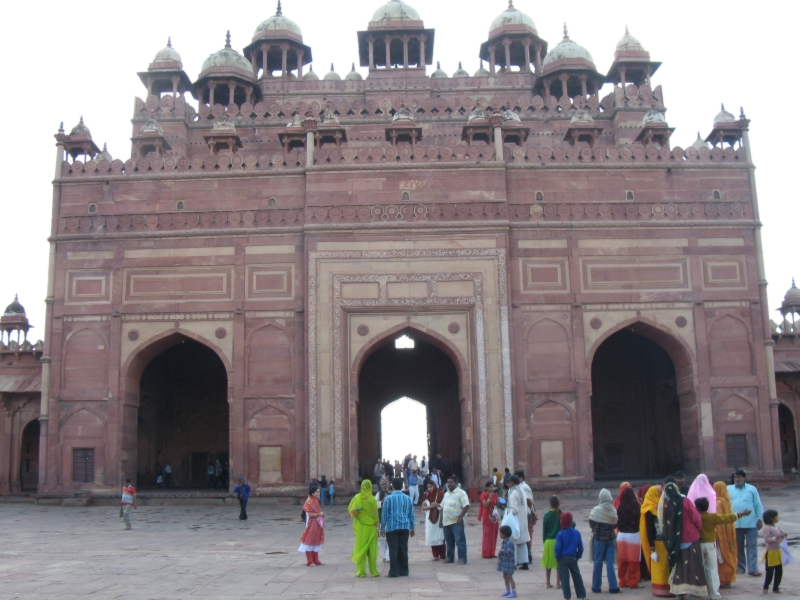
363 510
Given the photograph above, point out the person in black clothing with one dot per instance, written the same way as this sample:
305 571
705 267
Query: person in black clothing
438 463
680 480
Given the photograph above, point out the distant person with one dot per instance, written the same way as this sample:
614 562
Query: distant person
383 492
331 492
551 525
413 489
210 473
128 500
497 477
377 472
168 476
398 470
629 542
680 481
491 523
519 509
424 468
438 463
506 475
743 497
242 491
323 490
397 525
159 482
314 535
532 518
726 537
413 465
603 521
434 535
217 474
159 473
505 562
569 550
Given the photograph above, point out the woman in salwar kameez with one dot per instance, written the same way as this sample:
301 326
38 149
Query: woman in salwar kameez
434 535
491 525
653 541
363 509
314 535
681 525
629 545
726 537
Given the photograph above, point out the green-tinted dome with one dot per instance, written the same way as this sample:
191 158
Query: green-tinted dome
438 73
278 22
104 155
482 72
353 75
81 129
724 116
461 72
167 54
227 57
512 16
332 75
395 10
628 42
566 48
311 76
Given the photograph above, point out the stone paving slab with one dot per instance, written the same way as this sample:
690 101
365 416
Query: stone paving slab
196 552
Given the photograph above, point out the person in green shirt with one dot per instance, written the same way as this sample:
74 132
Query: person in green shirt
708 537
550 528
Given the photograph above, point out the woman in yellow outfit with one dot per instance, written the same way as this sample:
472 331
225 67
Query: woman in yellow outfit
363 510
650 534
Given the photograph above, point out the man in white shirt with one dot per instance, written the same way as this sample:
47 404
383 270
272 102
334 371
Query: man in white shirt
413 465
423 467
455 505
526 489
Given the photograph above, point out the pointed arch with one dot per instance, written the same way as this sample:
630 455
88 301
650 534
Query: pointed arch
270 362
85 365
547 351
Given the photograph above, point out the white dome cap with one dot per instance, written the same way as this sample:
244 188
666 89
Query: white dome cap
278 22
396 10
332 75
353 75
438 73
167 54
461 72
724 116
566 48
511 16
311 76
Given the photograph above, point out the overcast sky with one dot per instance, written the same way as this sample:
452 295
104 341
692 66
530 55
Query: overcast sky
63 60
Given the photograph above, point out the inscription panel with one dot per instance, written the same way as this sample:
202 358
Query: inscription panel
642 274
178 283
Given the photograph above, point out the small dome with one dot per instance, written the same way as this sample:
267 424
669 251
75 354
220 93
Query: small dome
510 115
438 73
151 126
311 76
15 308
80 129
461 72
699 143
566 48
482 72
628 42
227 57
328 116
404 114
512 16
104 155
724 116
332 75
654 116
396 10
353 75
582 116
478 113
792 297
278 22
297 121
167 54
224 122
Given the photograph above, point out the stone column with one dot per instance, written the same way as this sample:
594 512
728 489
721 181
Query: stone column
371 42
496 121
583 84
405 51
264 53
492 60
300 55
175 80
507 44
149 87
310 125
537 59
254 63
284 56
622 78
527 45
231 92
421 64
564 79
388 52
211 87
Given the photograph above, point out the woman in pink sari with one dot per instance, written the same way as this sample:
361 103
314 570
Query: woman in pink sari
702 488
491 526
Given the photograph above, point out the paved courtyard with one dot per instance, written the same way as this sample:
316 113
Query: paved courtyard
188 552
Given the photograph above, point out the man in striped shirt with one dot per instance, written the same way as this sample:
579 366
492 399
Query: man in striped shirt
128 500
397 523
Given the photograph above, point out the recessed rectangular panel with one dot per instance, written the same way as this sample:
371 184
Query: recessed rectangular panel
640 274
178 284
552 457
544 275
407 289
724 272
269 464
365 291
455 289
88 287
270 281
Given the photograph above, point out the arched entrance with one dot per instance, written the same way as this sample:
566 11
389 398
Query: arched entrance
636 410
423 373
183 415
29 457
788 438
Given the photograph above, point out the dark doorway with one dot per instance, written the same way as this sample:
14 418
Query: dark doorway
636 416
423 373
29 458
788 438
183 416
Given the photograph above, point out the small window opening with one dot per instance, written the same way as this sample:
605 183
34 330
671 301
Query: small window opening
717 195
92 209
179 206
629 195
406 197
539 196
273 202
404 343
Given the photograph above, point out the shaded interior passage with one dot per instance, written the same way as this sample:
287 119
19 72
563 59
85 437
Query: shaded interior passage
423 373
788 438
29 457
636 415
183 415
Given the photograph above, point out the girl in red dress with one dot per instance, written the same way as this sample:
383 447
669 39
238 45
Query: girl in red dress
491 525
314 536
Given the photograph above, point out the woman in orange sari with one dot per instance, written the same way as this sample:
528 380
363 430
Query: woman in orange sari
490 525
314 536
726 537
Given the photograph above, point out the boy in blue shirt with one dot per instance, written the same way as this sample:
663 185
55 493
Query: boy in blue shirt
569 548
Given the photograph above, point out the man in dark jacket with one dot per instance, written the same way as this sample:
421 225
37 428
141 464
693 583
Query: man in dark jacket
242 491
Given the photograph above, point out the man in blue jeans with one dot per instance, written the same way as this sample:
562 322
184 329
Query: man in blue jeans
745 497
397 525
455 505
603 521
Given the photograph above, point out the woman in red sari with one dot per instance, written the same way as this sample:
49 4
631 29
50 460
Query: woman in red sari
314 536
490 525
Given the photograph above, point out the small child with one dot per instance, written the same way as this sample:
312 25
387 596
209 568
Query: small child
773 536
550 528
569 549
331 492
506 562
708 538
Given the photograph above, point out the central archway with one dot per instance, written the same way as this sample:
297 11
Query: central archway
424 373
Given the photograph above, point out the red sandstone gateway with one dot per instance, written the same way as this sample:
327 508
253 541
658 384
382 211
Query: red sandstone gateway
583 295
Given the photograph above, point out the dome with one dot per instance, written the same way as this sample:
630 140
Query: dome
353 75
654 116
478 113
332 75
224 122
438 73
792 297
724 116
15 308
167 54
512 16
628 42
482 72
699 143
227 57
582 116
151 126
566 48
104 155
81 129
461 72
395 10
403 114
278 22
311 76
510 115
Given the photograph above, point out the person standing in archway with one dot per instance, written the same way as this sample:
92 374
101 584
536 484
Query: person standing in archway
434 535
363 509
377 472
168 476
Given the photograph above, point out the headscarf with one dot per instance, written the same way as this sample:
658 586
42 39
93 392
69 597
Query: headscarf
649 506
670 515
486 511
726 534
437 496
622 487
566 520
605 511
642 491
629 511
363 507
701 488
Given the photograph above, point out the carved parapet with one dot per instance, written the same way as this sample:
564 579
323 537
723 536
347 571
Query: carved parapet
628 211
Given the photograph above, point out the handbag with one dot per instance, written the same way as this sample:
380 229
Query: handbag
512 522
786 554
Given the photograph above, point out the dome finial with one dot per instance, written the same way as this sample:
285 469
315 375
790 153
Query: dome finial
331 67
721 106
459 66
228 39
81 123
438 66
741 113
353 67
626 30
511 5
61 127
169 42
566 35
105 147
279 12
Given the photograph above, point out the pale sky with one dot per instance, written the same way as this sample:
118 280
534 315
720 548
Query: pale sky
64 60
404 429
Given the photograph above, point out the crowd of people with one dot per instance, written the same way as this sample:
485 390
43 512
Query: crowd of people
684 539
